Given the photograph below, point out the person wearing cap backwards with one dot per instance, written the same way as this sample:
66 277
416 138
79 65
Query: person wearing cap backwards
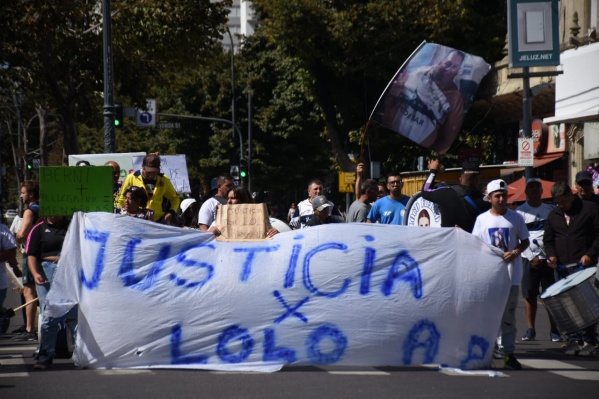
390 209
504 228
584 185
572 238
535 271
322 208
163 198
459 204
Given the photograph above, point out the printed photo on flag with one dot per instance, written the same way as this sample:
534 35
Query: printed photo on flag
429 95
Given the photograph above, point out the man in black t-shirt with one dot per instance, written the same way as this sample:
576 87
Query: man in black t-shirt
459 204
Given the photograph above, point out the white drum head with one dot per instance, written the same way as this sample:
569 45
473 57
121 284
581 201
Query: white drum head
571 281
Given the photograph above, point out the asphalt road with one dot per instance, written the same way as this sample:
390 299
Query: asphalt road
547 373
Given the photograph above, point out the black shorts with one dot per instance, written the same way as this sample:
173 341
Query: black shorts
536 280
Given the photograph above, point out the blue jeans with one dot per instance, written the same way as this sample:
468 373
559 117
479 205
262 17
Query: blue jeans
51 325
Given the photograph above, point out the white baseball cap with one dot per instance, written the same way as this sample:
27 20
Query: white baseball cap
495 185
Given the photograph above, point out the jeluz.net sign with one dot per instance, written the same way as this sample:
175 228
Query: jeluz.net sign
151 295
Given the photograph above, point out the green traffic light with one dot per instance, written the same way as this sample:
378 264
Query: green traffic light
242 173
117 122
29 167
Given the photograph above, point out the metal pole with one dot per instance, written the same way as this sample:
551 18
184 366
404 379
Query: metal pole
250 141
17 98
109 128
232 83
527 115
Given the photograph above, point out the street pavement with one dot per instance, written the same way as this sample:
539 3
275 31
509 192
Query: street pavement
548 373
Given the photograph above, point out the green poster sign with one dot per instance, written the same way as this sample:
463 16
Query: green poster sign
65 190
533 33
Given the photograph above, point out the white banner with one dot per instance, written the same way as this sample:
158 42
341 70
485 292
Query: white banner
124 159
159 296
174 167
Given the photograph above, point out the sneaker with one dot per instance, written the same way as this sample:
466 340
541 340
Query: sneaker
43 364
572 348
19 330
529 335
556 337
587 350
510 362
26 336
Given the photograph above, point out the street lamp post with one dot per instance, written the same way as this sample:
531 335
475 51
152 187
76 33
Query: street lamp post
232 83
109 128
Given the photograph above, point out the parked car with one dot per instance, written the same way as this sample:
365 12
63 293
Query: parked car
10 215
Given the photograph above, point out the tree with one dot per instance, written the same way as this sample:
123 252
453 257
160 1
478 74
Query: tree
53 50
350 49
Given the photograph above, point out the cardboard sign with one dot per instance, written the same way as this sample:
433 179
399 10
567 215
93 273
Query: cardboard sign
65 190
242 222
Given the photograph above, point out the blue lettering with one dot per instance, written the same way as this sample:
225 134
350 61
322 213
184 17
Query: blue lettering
290 311
176 356
326 331
369 257
430 343
477 349
182 258
127 274
274 354
290 275
308 281
101 238
405 268
247 265
230 334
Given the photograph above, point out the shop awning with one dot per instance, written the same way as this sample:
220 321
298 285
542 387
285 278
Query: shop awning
538 162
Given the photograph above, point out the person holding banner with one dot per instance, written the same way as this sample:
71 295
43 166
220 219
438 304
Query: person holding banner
43 253
30 192
135 204
571 237
505 229
390 209
305 209
163 198
8 252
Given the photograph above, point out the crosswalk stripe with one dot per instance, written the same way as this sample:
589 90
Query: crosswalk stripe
562 369
352 370
18 348
13 375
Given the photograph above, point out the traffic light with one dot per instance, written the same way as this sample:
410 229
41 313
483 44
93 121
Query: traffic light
235 172
243 167
119 120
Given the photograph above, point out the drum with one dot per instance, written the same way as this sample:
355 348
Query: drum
574 301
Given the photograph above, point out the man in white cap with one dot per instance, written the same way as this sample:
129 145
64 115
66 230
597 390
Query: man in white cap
188 214
504 228
322 208
535 272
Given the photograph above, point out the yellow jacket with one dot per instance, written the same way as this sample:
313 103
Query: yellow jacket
164 189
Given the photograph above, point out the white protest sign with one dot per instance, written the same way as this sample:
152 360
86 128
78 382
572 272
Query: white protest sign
174 167
124 159
157 296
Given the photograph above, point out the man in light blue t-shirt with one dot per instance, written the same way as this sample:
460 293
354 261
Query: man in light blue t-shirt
390 209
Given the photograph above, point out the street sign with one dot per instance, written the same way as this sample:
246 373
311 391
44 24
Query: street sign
533 33
347 181
168 125
525 152
147 118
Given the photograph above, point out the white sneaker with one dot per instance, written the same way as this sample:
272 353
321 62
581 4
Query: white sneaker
587 350
572 349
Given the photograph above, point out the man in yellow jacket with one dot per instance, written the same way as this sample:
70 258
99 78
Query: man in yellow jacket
163 198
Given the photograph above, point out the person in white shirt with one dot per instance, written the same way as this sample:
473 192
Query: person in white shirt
535 271
207 213
514 240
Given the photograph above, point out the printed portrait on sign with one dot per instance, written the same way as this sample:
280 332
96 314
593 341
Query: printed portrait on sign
428 97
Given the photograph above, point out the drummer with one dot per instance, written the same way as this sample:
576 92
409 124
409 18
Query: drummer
572 238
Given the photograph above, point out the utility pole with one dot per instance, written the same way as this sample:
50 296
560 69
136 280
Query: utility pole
232 81
109 128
